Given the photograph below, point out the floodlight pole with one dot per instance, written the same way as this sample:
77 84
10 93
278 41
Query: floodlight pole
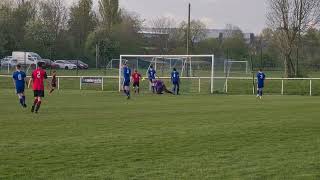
97 56
188 35
188 28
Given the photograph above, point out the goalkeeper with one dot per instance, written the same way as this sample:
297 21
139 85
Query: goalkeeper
160 87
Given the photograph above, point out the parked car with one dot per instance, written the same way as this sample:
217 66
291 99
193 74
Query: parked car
5 59
50 64
8 61
63 64
80 64
1 61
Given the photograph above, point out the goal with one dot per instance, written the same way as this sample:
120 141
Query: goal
233 68
236 67
190 67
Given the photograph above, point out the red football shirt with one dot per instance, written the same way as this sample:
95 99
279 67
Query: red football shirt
136 77
38 76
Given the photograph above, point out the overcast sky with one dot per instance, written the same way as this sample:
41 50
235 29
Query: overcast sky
249 15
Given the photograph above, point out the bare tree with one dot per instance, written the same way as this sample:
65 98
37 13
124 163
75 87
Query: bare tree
53 14
198 31
5 3
49 24
163 25
110 12
164 29
232 30
288 19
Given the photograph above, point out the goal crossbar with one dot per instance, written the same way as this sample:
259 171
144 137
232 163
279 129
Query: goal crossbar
181 56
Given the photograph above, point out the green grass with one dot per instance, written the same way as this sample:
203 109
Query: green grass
88 135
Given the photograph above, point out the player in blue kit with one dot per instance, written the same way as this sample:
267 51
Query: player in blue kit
260 79
152 78
126 79
19 83
175 79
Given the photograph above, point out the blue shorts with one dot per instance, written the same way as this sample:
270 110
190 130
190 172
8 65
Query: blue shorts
126 83
260 86
20 90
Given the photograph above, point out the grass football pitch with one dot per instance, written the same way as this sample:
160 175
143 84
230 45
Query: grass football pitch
101 135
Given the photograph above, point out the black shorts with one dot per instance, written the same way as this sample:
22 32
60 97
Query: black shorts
136 84
38 93
54 85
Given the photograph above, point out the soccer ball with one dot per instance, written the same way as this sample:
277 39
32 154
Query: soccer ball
143 79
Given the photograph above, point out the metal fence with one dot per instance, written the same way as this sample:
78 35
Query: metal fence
193 85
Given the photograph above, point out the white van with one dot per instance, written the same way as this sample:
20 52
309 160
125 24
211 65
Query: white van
28 58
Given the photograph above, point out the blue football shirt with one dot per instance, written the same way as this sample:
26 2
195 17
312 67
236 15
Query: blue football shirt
19 78
126 73
175 77
151 73
260 78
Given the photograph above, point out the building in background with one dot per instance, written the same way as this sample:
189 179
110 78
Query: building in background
224 33
155 33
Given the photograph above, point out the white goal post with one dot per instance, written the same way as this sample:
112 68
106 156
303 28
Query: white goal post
228 64
188 60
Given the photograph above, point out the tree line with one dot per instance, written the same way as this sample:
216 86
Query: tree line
55 31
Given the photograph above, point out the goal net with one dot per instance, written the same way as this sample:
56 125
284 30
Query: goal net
194 70
236 68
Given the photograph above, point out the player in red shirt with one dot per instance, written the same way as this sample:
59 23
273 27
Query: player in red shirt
136 81
38 76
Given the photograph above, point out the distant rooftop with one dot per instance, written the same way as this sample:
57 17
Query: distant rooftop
211 33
